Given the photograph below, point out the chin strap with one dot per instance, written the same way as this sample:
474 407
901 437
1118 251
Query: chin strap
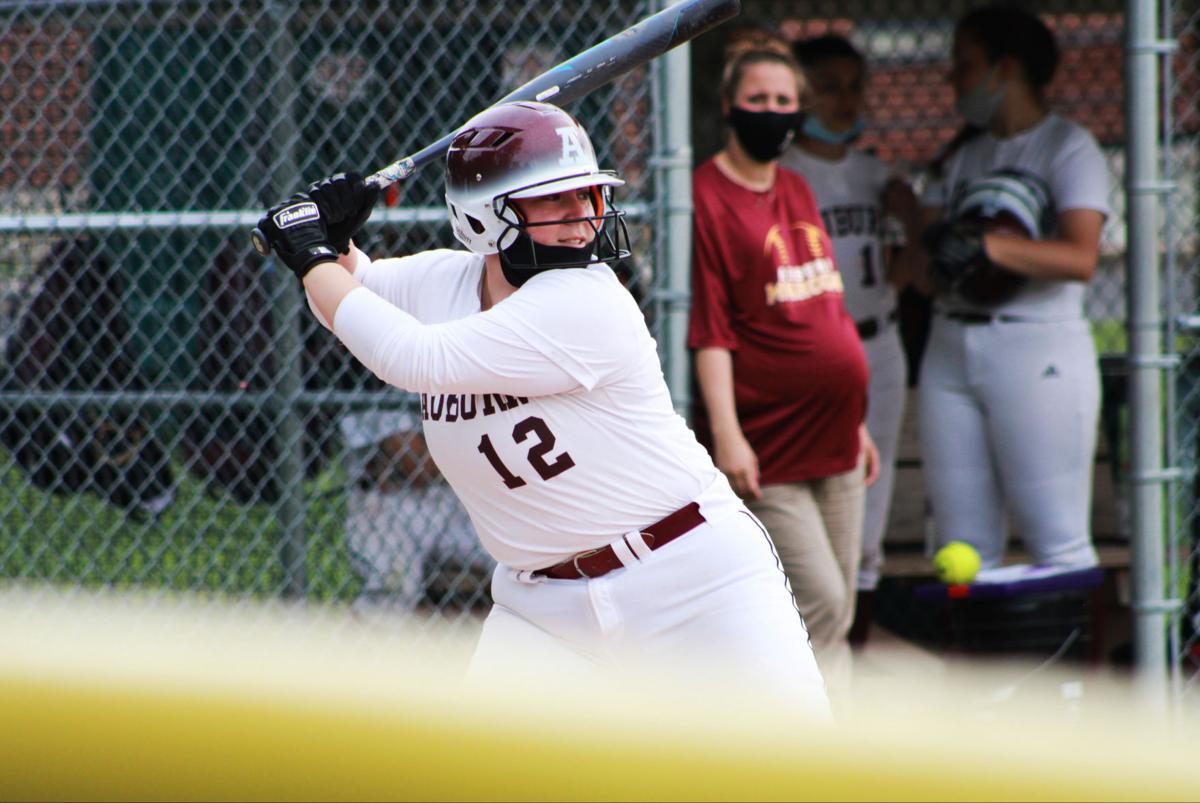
525 258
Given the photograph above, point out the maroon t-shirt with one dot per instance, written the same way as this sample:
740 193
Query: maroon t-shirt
765 286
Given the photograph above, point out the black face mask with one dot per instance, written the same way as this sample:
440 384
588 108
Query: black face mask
763 135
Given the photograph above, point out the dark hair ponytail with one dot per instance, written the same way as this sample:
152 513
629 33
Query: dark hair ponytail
820 49
1003 30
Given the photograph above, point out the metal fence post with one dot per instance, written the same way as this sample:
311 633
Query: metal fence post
286 311
1146 361
675 211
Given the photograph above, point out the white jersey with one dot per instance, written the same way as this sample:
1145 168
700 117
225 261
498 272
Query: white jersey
1065 156
848 193
548 413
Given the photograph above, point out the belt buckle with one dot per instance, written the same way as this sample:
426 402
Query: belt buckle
588 554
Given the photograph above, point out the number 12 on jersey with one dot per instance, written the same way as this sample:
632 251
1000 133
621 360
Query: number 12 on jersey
546 469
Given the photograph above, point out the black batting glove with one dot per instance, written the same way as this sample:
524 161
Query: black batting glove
955 252
297 234
345 201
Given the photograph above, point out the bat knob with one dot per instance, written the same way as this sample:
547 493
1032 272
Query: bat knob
259 241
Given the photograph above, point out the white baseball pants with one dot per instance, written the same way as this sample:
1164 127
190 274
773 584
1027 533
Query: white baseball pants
1008 415
886 395
711 607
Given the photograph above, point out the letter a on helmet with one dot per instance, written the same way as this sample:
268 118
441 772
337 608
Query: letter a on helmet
523 150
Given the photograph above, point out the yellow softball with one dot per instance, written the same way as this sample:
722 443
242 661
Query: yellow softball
956 562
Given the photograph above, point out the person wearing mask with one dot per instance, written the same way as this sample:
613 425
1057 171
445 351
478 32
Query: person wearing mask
1009 386
781 373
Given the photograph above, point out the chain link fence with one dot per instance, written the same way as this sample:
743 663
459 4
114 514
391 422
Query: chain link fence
910 117
1181 132
171 416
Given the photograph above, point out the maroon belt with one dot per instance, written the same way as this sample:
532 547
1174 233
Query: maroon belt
598 562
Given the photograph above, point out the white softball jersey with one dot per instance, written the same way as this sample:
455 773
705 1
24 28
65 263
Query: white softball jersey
549 416
1067 157
548 413
848 193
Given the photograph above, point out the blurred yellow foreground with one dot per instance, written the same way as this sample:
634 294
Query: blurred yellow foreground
107 698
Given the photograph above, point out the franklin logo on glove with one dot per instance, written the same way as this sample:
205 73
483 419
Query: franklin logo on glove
296 214
297 233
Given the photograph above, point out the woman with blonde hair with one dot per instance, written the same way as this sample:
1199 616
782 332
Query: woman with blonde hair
781 372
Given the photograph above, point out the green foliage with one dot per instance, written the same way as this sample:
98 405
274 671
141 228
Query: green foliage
202 543
1110 335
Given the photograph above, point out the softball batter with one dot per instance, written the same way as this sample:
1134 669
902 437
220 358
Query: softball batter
545 408
1010 391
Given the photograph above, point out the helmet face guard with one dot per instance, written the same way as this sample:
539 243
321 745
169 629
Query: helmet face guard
520 251
528 150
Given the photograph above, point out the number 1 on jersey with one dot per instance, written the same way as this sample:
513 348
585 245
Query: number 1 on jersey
868 263
487 450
